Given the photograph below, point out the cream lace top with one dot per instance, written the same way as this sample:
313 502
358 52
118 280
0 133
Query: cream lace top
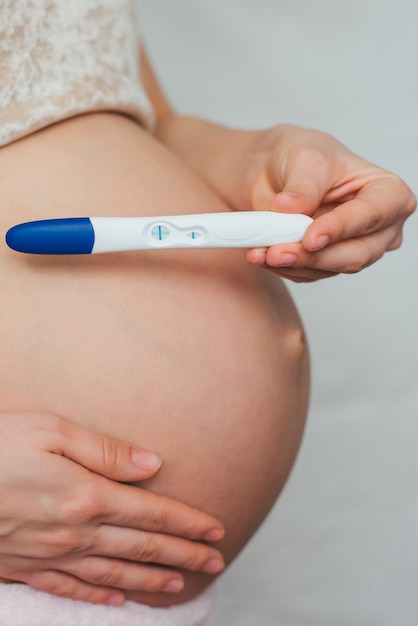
60 58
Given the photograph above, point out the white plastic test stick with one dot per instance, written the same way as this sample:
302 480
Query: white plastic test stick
92 235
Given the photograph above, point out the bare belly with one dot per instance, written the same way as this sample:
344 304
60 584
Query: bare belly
192 354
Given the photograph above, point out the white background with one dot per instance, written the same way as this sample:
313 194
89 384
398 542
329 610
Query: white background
340 547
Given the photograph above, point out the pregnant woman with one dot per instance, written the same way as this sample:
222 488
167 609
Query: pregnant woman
198 355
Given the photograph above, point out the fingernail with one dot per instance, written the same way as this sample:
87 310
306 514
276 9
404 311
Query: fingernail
320 242
145 460
287 194
173 586
286 259
213 566
214 535
286 198
258 257
115 599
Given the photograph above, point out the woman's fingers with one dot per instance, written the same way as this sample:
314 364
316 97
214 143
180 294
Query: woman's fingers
118 574
95 579
118 558
159 548
123 505
345 257
304 275
67 586
354 203
358 209
95 498
385 202
348 237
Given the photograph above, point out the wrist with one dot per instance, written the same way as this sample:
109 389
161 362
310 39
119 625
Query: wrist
227 159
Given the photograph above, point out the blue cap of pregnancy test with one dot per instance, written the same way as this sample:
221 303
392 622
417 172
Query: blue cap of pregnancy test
73 235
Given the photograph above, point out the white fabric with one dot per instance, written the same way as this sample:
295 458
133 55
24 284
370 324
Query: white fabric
22 606
59 59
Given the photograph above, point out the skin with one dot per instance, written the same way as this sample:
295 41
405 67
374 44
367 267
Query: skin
246 435
194 355
359 209
74 506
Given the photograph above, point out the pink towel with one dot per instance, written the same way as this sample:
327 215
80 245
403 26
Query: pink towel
22 606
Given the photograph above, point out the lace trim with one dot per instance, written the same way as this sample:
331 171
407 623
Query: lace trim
59 59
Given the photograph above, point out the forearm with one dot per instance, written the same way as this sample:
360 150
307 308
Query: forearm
227 159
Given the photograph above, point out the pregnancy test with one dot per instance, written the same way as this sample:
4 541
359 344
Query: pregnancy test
92 235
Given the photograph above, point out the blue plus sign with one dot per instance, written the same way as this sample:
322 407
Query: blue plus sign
160 232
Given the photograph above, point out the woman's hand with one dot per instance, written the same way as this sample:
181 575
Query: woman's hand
66 529
358 209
